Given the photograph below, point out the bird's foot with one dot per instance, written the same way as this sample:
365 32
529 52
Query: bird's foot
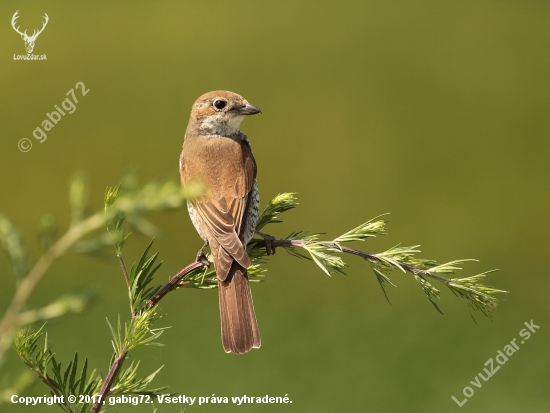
268 239
201 256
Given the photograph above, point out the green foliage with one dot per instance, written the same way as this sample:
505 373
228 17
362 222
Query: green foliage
111 195
26 346
201 278
129 383
370 228
204 278
61 381
114 219
141 275
135 332
404 259
383 279
396 257
478 296
256 273
322 254
278 205
430 291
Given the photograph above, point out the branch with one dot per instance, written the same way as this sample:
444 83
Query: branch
478 296
48 383
124 270
109 381
173 283
332 245
176 281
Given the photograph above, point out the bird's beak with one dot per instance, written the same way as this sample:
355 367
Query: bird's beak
248 109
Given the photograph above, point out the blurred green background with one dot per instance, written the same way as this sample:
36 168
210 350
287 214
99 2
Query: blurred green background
434 111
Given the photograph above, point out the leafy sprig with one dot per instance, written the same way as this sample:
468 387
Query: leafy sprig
63 382
130 383
326 255
281 203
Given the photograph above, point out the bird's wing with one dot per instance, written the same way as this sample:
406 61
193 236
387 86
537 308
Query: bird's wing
224 207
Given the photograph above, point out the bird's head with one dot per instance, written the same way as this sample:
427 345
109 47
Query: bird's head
220 113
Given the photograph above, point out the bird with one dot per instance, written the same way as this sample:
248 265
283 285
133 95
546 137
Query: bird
218 154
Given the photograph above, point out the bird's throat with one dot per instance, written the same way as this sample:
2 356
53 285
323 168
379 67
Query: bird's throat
221 125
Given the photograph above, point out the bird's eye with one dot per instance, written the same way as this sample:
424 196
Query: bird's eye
219 104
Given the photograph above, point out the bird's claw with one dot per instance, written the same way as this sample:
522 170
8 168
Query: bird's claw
268 239
201 256
203 259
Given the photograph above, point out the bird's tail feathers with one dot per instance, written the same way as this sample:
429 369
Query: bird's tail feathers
239 327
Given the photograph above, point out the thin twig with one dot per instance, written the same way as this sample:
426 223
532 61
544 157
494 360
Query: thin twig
173 283
51 386
109 381
175 280
127 278
124 270
365 255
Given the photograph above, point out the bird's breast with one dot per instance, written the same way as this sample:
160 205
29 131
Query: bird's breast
216 161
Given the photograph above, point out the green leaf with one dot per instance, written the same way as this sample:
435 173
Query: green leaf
111 196
140 276
320 253
128 383
116 335
256 273
398 256
281 203
450 267
370 228
382 280
430 291
478 296
72 376
82 380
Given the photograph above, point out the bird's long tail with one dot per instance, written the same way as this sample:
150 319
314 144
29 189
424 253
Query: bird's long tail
239 326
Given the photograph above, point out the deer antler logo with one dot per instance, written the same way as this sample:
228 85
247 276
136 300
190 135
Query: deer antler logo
29 40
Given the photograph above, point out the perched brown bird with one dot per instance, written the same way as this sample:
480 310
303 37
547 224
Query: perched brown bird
217 153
